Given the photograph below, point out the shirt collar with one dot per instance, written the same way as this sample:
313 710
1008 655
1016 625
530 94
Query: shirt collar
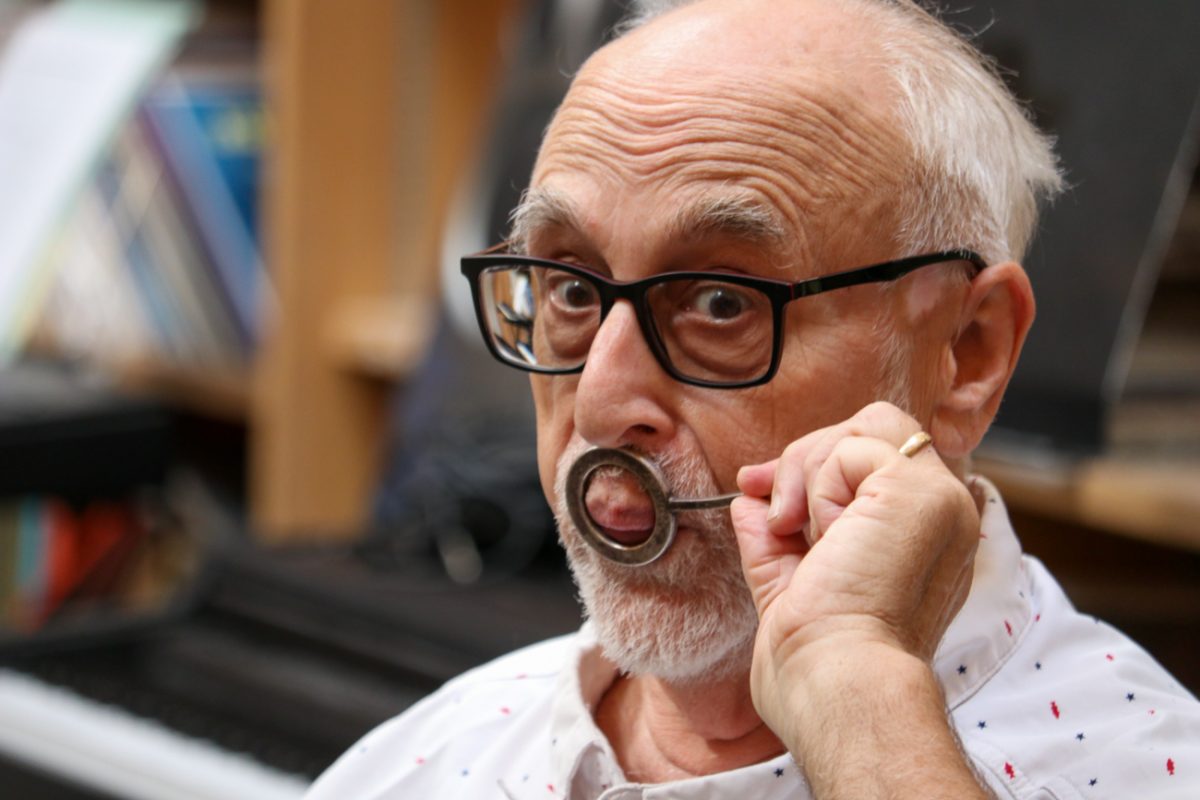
994 618
573 730
997 612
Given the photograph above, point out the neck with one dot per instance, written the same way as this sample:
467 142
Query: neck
661 731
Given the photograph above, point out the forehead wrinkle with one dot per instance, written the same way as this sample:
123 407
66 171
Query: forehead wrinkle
823 142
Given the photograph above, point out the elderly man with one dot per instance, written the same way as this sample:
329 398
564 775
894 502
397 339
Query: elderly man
686 281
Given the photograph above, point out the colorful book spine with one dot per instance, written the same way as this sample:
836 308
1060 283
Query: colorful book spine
209 135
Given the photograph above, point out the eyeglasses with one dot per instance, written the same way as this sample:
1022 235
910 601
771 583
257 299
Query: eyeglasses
705 328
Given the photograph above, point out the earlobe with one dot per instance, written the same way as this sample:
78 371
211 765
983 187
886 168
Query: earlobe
997 314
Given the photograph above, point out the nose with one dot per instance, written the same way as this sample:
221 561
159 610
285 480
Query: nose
624 398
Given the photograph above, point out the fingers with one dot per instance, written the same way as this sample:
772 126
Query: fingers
899 531
836 481
756 480
786 480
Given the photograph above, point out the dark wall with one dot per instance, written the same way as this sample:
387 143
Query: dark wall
1117 83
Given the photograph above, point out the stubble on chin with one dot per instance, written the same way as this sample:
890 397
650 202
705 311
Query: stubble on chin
684 618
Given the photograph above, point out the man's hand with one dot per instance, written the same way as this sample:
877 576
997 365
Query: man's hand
858 558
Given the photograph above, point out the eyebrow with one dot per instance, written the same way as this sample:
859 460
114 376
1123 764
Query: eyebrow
541 207
735 216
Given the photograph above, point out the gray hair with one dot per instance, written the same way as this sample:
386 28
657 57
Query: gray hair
979 166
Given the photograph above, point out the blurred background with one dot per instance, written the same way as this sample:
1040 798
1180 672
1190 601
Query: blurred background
260 486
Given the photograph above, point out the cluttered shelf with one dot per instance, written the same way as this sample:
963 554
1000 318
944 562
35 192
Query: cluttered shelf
136 251
240 270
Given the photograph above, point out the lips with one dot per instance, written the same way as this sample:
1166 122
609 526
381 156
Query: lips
617 503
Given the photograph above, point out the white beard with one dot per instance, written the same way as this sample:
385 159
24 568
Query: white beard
684 618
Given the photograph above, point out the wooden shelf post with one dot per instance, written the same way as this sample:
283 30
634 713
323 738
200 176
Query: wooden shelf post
372 105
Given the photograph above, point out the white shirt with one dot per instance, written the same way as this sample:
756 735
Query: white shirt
1049 705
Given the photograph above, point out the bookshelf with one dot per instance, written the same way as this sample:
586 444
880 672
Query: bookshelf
372 108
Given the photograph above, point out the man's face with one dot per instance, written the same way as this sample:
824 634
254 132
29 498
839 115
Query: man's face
662 160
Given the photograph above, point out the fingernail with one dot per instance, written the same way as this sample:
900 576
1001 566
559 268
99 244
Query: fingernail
774 511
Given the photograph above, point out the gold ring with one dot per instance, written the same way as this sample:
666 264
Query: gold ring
915 444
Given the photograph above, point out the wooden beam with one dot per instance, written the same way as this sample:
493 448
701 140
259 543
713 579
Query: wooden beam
374 107
330 210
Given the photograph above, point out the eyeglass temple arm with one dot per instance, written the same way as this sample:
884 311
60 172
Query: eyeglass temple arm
884 272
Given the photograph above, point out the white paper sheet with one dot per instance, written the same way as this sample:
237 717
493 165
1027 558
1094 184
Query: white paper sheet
69 75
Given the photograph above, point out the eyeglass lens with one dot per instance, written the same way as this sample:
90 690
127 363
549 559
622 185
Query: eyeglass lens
539 317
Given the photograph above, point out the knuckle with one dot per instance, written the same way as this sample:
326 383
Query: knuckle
944 493
842 448
958 506
882 416
879 407
818 455
881 411
794 451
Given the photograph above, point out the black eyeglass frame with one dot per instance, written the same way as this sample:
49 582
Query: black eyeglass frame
779 292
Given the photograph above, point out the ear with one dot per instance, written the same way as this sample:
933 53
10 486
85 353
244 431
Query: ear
997 313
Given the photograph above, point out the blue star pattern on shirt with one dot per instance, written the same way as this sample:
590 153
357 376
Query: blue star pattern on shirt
476 733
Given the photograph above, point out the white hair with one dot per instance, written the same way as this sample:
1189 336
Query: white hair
979 166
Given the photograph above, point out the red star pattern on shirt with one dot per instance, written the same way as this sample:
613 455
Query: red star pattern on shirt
998 714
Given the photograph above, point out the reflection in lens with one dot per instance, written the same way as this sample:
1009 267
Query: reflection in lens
508 306
539 316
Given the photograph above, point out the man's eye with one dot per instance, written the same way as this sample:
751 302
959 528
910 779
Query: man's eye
720 303
573 293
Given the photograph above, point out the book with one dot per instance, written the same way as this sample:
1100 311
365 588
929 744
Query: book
207 128
137 238
93 311
90 61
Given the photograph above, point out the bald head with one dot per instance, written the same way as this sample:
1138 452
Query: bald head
768 38
722 104
871 104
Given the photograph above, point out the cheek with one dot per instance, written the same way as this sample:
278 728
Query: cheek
553 401
830 369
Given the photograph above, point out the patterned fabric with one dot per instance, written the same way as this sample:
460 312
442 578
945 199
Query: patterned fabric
1049 704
